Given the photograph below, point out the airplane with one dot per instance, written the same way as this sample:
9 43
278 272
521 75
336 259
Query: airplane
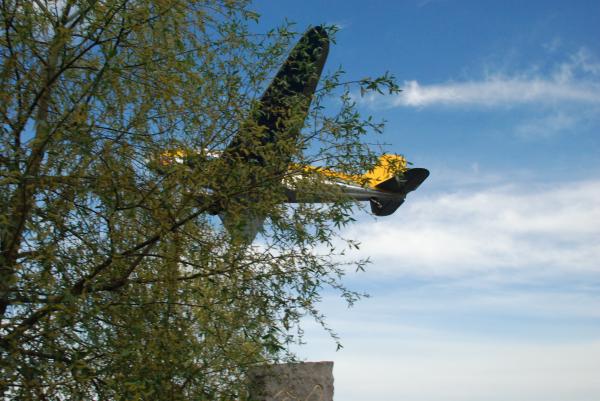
270 136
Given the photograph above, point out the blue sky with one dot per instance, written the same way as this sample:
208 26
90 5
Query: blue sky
486 284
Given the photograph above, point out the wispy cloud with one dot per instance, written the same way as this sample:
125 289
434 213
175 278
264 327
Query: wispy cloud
515 229
574 81
436 370
472 346
497 91
580 65
446 320
550 125
553 45
424 3
340 25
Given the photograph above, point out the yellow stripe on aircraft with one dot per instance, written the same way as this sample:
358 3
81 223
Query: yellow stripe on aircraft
387 166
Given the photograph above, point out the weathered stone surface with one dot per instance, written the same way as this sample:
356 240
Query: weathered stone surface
305 381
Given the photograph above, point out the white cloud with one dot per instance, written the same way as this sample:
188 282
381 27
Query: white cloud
340 25
512 228
432 343
497 91
549 125
553 45
393 352
436 370
391 312
575 81
439 327
580 63
423 3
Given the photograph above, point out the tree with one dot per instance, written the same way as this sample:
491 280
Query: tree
116 281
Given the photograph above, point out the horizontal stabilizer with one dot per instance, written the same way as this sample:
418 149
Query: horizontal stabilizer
405 183
410 180
414 178
393 184
385 207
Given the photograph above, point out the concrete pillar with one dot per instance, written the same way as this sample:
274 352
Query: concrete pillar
303 381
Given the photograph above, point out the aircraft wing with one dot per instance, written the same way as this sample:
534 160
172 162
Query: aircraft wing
272 131
268 140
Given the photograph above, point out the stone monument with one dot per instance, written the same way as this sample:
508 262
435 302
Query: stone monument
302 381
